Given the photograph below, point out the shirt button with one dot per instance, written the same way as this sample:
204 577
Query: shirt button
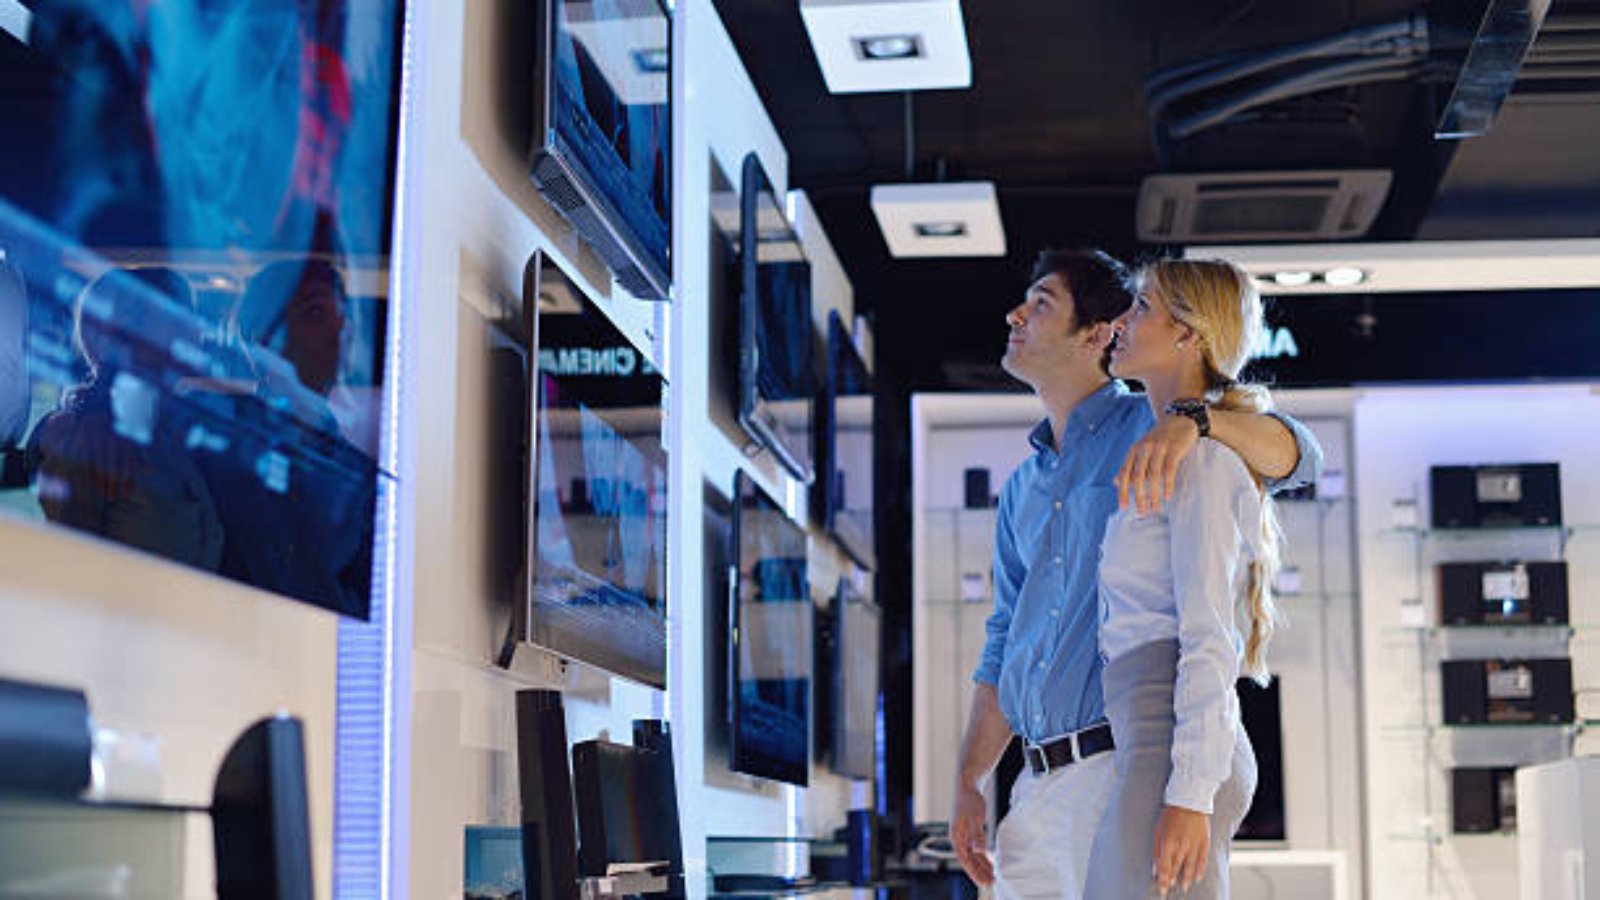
1058 504
1055 613
1041 665
1054 463
1058 560
1092 428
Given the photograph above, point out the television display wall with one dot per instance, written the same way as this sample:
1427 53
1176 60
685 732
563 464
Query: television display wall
598 529
772 640
855 685
603 132
777 372
195 212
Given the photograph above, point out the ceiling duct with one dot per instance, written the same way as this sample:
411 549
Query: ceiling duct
1260 206
1486 78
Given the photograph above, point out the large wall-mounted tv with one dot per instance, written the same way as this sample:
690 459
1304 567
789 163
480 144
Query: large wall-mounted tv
195 206
853 629
777 373
771 640
602 142
846 430
597 567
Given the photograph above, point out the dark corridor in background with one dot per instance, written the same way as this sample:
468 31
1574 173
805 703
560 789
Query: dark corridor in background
204 315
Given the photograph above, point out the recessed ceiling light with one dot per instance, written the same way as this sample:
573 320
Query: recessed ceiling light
888 45
891 46
1292 279
1344 276
940 229
944 219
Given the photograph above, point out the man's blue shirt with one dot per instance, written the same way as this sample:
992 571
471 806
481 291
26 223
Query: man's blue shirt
1042 651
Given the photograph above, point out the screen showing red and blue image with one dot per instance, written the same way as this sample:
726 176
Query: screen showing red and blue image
194 232
600 505
613 115
772 700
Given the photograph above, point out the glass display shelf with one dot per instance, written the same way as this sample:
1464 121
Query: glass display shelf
1527 630
1463 534
1414 728
65 846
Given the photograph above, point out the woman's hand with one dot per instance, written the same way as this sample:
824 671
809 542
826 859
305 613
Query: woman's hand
1183 840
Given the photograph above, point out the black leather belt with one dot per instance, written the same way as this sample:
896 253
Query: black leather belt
1068 749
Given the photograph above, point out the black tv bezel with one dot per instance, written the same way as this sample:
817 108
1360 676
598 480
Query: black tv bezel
524 623
545 146
844 596
739 759
753 184
841 351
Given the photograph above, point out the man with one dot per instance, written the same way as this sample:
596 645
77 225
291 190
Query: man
1040 672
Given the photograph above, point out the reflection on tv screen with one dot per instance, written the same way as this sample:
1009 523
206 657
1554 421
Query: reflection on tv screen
192 327
772 714
613 63
600 507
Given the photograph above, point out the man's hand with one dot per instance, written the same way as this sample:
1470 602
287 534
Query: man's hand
1183 840
1149 475
967 834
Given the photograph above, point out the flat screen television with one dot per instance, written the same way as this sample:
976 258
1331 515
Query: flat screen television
771 638
597 530
195 218
848 703
602 140
845 424
1262 715
777 373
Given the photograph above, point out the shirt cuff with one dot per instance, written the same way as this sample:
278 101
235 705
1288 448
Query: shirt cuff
1190 793
1308 467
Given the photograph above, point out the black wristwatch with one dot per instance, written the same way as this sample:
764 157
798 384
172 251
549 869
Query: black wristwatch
1195 410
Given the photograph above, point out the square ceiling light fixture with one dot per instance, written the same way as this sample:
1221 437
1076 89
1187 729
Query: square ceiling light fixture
956 219
888 45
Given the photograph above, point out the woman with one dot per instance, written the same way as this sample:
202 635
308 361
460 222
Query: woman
1169 587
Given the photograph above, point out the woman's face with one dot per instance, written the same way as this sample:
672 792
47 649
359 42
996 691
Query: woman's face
1147 337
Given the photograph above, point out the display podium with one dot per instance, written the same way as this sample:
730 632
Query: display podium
1558 838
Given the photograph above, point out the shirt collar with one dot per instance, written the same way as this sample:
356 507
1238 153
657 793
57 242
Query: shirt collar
1089 415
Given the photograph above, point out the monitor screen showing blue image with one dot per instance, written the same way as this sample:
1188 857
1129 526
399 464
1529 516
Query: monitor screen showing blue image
597 590
610 116
195 203
777 365
772 638
847 467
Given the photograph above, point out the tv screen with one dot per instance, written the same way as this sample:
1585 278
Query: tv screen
598 529
603 131
847 447
1263 721
777 377
771 639
856 625
194 234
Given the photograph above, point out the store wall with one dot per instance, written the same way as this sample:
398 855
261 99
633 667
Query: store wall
1399 434
193 659
482 218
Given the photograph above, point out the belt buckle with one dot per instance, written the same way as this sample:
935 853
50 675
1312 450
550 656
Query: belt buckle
1072 739
1036 751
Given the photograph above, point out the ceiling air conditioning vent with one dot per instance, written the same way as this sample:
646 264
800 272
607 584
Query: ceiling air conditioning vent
1260 206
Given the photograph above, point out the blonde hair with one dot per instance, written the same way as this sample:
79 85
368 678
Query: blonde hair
1220 303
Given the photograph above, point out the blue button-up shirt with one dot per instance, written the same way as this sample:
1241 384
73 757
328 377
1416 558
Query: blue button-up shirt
1042 651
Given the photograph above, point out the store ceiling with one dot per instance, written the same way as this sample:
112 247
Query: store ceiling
1057 119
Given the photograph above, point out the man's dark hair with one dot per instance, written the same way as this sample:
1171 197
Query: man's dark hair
1099 284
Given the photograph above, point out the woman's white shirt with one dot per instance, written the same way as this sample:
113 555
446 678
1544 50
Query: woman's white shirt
1179 574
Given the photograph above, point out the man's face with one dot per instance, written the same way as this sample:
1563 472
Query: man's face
1045 338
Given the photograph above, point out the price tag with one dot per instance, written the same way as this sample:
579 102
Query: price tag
974 587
